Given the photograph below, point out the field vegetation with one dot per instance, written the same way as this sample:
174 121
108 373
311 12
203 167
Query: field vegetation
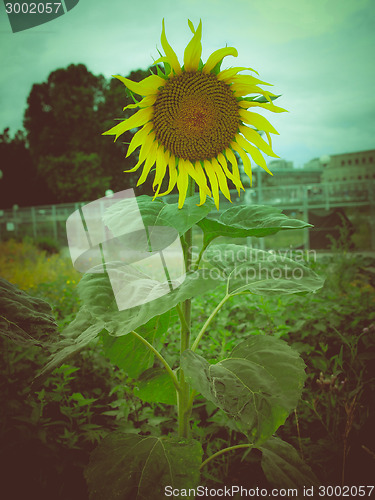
49 429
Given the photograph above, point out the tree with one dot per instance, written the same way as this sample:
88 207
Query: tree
65 119
114 154
61 114
75 176
19 184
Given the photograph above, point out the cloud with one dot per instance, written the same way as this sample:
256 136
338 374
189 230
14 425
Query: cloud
318 54
291 20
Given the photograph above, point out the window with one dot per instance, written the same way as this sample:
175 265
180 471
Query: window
363 160
371 159
356 161
343 162
350 162
359 177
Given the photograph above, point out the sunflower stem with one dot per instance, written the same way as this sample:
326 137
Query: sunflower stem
184 401
225 450
209 320
205 245
158 355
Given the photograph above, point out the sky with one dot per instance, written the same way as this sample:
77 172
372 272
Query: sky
319 54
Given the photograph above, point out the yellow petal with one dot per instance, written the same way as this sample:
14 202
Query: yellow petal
202 183
172 176
202 197
182 185
187 166
245 160
201 179
191 26
248 80
218 56
236 181
231 157
161 166
196 174
172 173
150 161
242 89
227 74
139 138
132 106
166 156
269 138
145 150
137 120
170 53
134 168
257 121
213 181
193 51
253 136
144 103
265 105
223 184
148 86
257 156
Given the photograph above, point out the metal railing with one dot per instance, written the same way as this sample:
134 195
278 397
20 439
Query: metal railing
49 221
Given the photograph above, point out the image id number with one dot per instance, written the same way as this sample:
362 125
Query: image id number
32 8
345 491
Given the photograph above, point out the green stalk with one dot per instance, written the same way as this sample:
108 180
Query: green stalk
184 406
160 357
205 245
181 316
208 322
230 448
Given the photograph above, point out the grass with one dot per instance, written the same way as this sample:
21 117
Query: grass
60 423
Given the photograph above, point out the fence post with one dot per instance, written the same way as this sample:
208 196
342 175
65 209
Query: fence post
260 200
306 243
259 185
15 219
33 220
54 222
326 195
371 194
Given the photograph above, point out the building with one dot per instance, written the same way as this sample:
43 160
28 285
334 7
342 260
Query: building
359 166
284 174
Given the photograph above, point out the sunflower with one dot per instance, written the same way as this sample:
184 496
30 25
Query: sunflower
194 118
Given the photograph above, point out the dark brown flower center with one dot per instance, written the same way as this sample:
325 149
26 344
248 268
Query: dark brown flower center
195 116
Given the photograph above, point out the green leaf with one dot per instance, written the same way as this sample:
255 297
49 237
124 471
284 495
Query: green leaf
129 353
130 94
263 273
258 385
263 99
100 312
217 68
76 336
125 214
96 293
24 319
242 221
156 386
161 73
284 468
128 466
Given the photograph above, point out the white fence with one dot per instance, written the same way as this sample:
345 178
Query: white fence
50 221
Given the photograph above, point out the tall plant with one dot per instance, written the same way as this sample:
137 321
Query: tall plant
194 119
